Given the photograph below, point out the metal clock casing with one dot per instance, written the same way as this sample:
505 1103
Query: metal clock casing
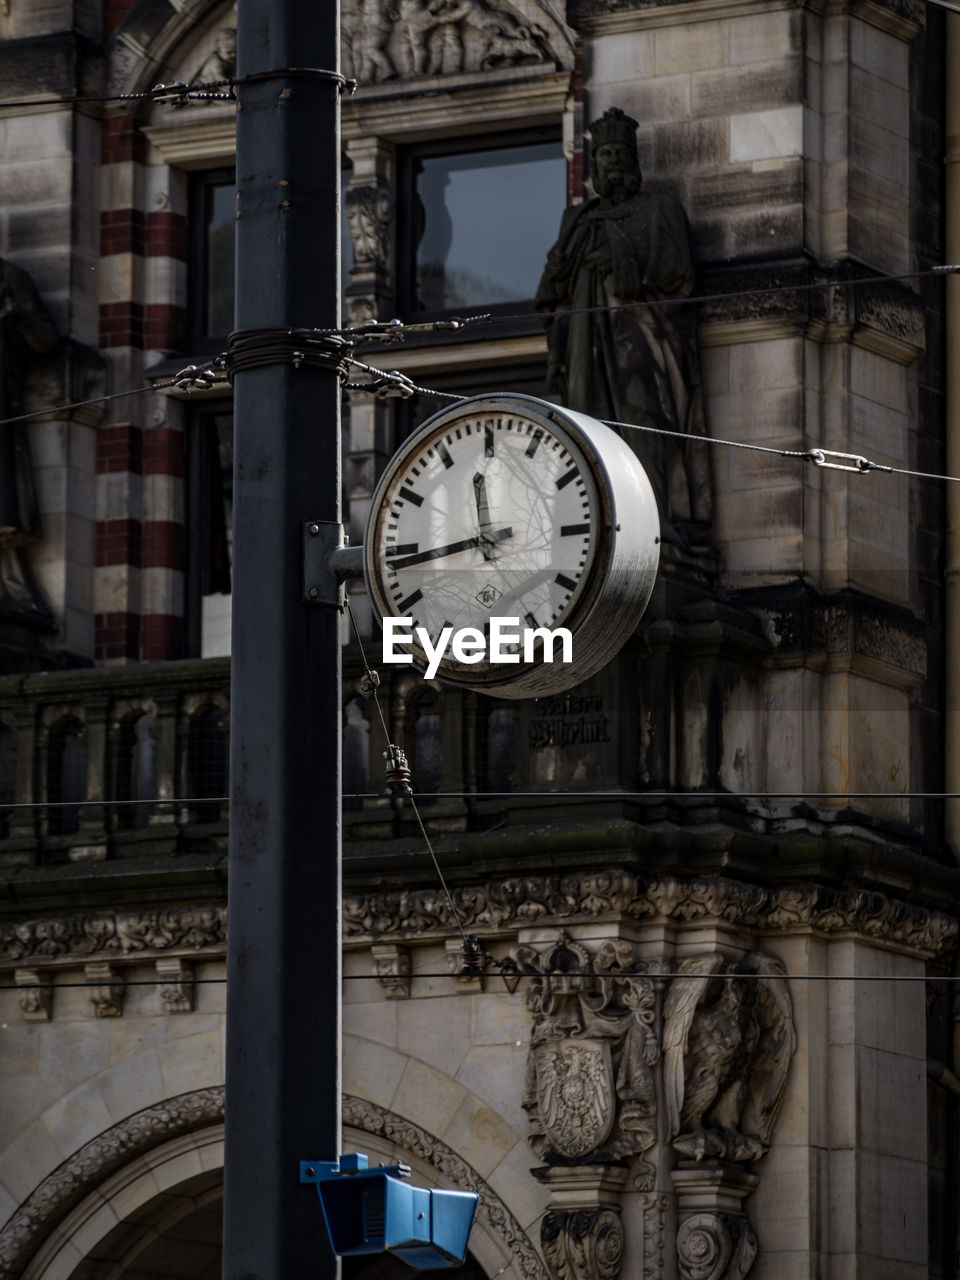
505 505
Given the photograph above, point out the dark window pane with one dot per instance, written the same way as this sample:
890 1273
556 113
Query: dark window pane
488 219
220 223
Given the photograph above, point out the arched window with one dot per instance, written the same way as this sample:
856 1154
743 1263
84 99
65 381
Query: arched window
427 760
8 775
207 768
136 776
66 777
356 753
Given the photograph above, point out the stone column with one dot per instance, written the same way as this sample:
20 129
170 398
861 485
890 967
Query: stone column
581 1233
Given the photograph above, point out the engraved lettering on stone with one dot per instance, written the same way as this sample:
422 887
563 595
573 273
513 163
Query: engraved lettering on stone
727 1045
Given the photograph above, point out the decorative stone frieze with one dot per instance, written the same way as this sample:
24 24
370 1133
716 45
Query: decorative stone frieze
391 964
107 995
443 37
521 900
75 937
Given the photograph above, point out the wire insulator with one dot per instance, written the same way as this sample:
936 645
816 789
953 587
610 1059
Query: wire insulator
398 772
473 955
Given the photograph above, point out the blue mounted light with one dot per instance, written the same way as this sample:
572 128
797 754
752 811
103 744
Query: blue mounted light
376 1211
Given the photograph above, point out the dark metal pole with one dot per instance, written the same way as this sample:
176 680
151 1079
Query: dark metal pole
283 995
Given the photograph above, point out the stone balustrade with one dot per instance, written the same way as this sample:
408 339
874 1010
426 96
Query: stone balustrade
103 763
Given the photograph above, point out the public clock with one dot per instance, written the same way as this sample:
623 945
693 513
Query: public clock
508 507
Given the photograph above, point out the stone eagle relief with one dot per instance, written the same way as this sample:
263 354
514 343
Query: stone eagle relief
727 1046
667 1083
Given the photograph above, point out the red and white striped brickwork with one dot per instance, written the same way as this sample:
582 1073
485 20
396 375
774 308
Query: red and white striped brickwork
139 557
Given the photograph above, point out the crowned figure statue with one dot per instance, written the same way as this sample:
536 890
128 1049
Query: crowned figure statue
613 358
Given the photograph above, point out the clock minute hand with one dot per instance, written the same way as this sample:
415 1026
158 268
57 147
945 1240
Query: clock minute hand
437 553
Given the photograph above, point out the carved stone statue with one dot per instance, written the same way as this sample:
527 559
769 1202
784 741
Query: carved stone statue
25 330
388 39
590 1090
637 364
727 1047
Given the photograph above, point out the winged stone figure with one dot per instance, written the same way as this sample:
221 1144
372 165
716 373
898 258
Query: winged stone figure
728 1040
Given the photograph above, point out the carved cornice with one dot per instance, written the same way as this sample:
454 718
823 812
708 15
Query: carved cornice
518 902
32 1223
419 1142
902 18
137 934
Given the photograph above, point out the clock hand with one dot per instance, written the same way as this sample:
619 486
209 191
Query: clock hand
436 553
483 516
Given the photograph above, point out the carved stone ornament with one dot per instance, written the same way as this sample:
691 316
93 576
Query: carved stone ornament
391 964
114 934
408 39
107 996
176 985
519 900
369 212
590 1091
712 1246
582 1244
35 1001
728 1040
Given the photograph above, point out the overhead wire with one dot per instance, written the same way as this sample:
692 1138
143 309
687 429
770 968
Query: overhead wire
665 975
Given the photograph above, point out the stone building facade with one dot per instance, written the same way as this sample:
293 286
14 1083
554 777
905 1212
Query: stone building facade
715 1037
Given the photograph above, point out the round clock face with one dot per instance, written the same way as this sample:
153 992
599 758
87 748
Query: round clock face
489 515
500 523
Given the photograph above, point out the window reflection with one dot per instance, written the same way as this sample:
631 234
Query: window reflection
485 220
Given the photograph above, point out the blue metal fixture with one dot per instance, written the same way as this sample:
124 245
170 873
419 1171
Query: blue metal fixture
376 1211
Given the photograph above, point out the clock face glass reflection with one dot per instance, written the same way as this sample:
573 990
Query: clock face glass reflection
492 516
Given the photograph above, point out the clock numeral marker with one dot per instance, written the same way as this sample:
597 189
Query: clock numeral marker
488 440
570 530
444 453
572 474
415 498
568 584
410 601
534 444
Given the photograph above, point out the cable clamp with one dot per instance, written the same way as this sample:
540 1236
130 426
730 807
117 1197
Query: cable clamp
369 681
175 92
393 385
834 461
197 377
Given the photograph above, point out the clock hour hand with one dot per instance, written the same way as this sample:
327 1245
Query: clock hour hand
437 553
483 516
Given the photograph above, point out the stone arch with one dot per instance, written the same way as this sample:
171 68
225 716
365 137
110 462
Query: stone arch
178 1144
148 35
